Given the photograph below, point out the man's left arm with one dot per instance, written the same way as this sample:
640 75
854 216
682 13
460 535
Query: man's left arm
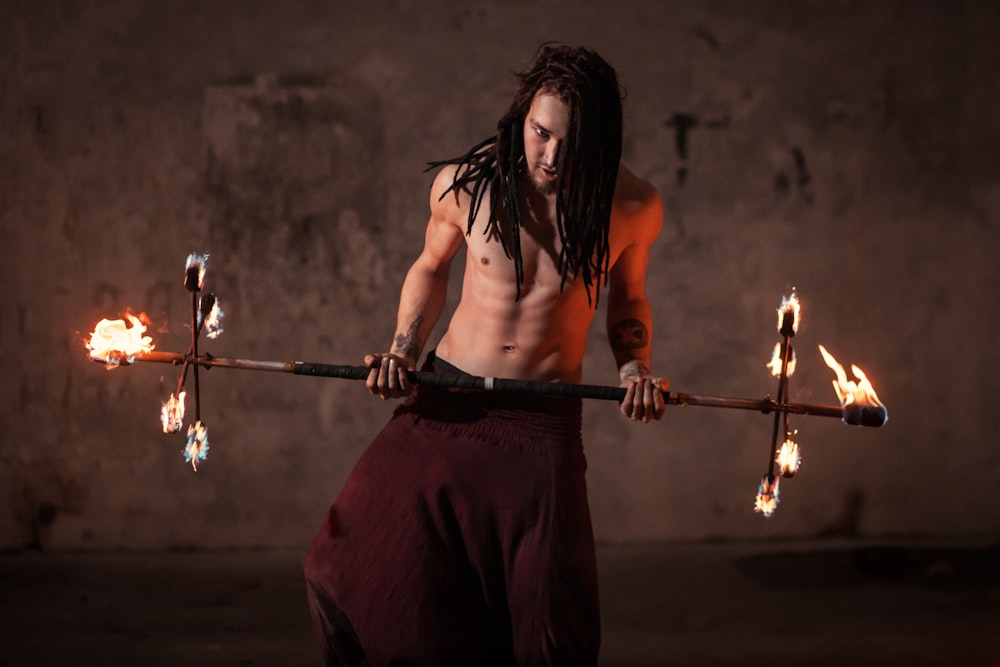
630 318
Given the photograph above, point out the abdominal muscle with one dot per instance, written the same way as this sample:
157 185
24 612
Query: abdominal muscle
541 336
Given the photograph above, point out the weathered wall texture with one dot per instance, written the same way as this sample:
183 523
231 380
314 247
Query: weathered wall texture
847 149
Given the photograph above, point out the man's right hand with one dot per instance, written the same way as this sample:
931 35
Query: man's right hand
387 378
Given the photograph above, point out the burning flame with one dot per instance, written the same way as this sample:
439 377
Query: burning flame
172 414
212 321
792 310
767 495
775 363
197 444
194 270
859 400
115 341
788 458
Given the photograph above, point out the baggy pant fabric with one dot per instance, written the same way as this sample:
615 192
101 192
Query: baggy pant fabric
462 537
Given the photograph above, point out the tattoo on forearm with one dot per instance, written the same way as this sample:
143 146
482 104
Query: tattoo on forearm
629 335
408 344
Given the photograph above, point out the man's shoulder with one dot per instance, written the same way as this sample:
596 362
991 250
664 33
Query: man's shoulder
631 189
636 199
451 196
447 191
454 179
445 179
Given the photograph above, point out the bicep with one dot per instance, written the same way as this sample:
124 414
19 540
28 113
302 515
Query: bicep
627 280
444 234
441 241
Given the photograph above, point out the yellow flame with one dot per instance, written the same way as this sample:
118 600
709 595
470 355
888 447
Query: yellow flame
767 496
213 321
850 392
775 363
788 458
172 413
117 341
790 304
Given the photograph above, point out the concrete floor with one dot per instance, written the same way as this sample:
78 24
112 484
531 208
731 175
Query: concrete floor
826 603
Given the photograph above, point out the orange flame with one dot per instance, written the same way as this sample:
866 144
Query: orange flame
767 495
788 458
172 414
117 341
790 308
849 392
775 363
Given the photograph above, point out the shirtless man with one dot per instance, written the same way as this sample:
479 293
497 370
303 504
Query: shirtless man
463 536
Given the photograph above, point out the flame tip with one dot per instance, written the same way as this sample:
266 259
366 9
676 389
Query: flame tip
858 399
789 314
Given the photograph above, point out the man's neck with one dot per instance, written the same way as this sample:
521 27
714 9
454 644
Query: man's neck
540 205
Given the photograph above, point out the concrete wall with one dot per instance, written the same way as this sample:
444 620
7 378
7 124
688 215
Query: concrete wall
846 149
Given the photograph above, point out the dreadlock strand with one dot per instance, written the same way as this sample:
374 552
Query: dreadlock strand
511 201
589 87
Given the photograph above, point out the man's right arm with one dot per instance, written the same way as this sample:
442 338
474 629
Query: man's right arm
424 292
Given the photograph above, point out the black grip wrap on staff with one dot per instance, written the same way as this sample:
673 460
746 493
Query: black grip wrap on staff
447 380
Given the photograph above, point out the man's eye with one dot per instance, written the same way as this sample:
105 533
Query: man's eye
542 133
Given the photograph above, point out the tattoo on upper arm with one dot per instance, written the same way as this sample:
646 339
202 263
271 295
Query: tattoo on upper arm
629 335
408 344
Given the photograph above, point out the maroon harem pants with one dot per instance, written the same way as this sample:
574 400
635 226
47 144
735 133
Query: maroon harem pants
461 538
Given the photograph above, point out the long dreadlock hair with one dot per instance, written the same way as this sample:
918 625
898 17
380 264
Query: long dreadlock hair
587 168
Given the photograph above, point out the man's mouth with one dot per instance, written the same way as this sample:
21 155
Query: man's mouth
549 173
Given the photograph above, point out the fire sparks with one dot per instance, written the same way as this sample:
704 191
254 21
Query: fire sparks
197 444
788 458
116 341
767 495
859 400
172 414
789 315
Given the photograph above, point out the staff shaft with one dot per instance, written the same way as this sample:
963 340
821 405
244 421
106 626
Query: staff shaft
449 380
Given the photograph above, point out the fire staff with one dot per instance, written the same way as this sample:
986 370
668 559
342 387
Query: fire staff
463 535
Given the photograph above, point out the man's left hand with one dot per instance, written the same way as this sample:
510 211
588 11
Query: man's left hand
644 397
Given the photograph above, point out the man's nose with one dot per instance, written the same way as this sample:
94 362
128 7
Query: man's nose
552 153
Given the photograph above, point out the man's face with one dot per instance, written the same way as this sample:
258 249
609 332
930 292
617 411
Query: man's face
545 130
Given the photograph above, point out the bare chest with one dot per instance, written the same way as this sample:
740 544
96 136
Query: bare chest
490 256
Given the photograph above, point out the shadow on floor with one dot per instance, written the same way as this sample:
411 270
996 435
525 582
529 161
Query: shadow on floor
802 604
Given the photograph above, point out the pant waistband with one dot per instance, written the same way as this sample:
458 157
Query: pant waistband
444 365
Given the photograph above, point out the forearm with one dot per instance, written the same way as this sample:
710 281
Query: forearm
630 328
421 303
630 332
